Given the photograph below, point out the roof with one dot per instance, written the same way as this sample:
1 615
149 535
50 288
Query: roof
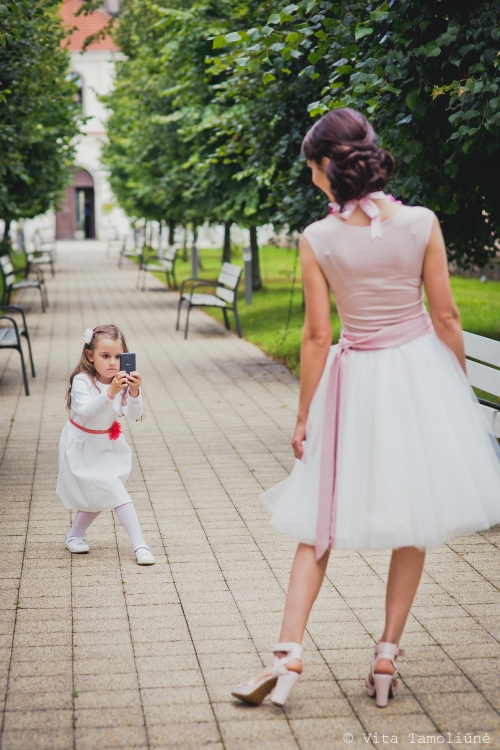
85 26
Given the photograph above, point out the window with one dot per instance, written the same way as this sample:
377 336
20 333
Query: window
112 6
78 97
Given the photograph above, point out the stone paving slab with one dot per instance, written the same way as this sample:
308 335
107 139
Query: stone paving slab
96 652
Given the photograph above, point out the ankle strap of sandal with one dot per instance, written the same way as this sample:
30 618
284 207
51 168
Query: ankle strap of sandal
389 648
385 650
292 650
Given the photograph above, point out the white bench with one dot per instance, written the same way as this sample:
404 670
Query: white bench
225 297
10 337
487 352
165 265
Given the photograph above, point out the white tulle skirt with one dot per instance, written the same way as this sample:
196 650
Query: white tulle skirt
417 462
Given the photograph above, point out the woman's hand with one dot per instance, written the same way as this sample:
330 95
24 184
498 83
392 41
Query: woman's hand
298 438
134 383
119 382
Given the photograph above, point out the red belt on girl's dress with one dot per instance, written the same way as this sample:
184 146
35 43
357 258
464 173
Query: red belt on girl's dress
384 338
114 431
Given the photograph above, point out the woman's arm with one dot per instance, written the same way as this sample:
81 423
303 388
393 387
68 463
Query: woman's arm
84 403
316 338
443 310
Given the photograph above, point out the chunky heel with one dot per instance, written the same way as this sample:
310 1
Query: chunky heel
280 678
383 686
380 685
284 687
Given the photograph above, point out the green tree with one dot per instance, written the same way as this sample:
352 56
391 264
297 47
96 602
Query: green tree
425 73
168 130
37 109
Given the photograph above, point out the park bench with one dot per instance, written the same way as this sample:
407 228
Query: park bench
44 254
166 265
226 288
480 353
10 284
10 337
128 252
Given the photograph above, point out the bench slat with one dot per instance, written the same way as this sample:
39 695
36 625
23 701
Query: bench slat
481 348
228 280
7 336
225 294
481 376
231 269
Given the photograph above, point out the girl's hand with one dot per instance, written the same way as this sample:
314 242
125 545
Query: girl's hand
134 382
117 384
298 438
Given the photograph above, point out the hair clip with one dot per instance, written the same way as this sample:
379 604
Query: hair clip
87 335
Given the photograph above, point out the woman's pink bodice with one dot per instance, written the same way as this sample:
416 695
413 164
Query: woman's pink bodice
375 282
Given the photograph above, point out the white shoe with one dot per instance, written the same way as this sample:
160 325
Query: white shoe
280 680
144 556
383 686
77 545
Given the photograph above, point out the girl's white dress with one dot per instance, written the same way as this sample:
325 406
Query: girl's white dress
93 468
417 463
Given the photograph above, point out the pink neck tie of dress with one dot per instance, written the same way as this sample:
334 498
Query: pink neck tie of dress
367 205
393 335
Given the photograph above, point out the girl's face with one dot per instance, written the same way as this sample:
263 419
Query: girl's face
106 358
319 177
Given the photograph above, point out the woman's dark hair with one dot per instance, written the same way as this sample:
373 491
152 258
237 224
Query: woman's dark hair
357 165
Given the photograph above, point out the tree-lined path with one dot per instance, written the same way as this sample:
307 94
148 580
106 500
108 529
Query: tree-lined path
100 653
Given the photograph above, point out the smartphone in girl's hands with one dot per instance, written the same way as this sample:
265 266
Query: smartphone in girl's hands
127 362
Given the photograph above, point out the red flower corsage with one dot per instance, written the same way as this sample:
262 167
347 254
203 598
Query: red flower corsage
115 431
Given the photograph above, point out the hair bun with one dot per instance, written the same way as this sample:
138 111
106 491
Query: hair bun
357 165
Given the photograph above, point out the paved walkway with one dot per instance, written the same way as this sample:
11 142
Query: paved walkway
99 653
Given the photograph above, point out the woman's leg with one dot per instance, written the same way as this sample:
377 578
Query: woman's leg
405 572
305 582
81 522
128 518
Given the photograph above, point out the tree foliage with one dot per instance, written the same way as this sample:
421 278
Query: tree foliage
37 108
425 73
216 95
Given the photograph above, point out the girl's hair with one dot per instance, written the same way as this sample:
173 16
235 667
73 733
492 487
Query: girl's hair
357 165
108 331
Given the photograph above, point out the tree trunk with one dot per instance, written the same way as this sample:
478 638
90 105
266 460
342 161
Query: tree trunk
6 230
256 277
159 253
195 262
226 250
171 232
184 246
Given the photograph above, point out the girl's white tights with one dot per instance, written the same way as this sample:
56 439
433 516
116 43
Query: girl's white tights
126 515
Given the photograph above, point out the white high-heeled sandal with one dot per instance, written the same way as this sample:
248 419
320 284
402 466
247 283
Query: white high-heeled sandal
281 680
384 686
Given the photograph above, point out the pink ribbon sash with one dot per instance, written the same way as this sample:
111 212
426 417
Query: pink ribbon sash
385 338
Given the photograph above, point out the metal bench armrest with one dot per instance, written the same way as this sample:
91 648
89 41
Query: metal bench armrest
7 317
16 309
203 283
186 281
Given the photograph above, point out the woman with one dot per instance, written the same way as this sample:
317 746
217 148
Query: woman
391 448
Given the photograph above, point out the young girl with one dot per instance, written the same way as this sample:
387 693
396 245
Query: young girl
94 458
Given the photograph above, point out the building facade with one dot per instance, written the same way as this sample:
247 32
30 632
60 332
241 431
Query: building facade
89 210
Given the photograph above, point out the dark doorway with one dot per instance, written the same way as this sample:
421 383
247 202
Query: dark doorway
76 219
85 213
